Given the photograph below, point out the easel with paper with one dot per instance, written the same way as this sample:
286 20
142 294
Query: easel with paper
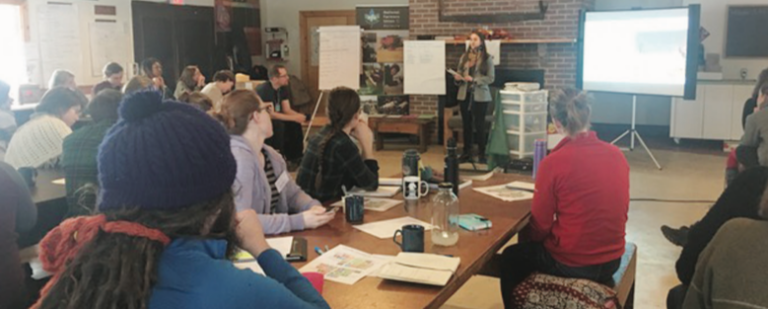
339 46
424 67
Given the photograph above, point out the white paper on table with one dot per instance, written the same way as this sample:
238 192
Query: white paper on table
522 185
483 177
387 228
494 49
60 181
384 258
505 194
390 182
428 261
344 264
281 244
421 268
374 203
380 192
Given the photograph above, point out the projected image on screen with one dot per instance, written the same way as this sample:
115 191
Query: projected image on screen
642 52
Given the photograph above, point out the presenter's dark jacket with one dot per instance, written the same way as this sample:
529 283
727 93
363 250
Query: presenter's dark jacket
482 90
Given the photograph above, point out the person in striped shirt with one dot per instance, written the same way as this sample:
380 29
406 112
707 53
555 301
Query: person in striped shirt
262 182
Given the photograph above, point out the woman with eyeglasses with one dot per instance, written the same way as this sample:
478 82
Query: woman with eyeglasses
262 182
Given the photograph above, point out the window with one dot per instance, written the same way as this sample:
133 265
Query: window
12 59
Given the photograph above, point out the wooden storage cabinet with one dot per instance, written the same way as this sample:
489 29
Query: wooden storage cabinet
715 114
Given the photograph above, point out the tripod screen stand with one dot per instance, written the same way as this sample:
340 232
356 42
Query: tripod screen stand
632 132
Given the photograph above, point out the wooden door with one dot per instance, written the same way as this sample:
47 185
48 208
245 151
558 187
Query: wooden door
309 22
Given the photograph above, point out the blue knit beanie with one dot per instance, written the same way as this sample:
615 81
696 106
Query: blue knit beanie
163 155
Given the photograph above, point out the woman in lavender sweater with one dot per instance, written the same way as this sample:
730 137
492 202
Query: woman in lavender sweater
262 182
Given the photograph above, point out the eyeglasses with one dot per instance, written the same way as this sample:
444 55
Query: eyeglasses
282 76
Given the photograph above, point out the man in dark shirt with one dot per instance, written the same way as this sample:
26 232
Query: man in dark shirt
288 138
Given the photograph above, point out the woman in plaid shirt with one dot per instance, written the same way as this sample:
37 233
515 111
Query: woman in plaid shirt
332 159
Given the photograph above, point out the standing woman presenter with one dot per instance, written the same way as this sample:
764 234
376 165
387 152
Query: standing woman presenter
475 74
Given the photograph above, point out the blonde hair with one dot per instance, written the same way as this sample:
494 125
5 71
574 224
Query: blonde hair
60 78
571 108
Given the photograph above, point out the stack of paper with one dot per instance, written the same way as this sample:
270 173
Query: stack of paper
383 191
386 229
245 260
505 194
374 203
521 185
420 268
390 182
345 265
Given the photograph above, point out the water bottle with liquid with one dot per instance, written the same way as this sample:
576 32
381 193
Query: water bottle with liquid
445 216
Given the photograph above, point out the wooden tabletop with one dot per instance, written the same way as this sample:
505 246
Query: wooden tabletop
45 190
474 248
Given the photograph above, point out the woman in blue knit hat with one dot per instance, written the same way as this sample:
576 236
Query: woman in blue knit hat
262 181
167 225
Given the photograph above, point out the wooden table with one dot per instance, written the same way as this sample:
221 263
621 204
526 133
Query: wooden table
419 126
474 248
45 190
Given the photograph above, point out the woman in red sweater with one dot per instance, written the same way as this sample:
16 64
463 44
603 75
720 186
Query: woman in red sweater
579 210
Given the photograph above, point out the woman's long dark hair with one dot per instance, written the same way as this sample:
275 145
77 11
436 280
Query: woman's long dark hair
119 271
343 105
188 77
482 49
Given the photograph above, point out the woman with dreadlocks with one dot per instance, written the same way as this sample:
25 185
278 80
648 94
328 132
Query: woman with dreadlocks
167 224
262 181
332 160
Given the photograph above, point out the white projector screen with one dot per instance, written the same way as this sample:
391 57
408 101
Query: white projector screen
638 52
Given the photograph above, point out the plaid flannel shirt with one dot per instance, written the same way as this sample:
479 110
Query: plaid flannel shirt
80 169
342 165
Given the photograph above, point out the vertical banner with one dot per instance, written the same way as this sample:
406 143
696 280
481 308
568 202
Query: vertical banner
382 77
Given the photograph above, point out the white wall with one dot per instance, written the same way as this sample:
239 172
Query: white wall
86 15
285 13
714 17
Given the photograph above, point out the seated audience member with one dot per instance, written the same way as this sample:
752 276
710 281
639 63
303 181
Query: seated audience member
113 78
197 99
80 149
138 83
19 214
579 210
191 80
731 271
753 150
679 236
64 78
739 200
153 69
286 123
223 81
262 182
38 143
168 226
332 159
7 120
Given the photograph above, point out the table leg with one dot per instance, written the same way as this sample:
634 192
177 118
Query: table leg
378 137
423 137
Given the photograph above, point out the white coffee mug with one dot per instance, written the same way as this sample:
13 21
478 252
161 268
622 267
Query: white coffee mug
414 188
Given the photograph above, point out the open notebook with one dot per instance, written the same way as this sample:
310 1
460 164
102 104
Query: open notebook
423 268
383 191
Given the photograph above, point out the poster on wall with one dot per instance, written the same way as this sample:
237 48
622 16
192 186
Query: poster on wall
384 17
382 45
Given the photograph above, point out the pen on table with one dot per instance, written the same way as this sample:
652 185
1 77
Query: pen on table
326 248
319 252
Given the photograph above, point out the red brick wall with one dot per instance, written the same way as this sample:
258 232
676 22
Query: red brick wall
557 59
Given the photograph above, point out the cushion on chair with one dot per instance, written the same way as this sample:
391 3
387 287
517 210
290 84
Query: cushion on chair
540 291
629 251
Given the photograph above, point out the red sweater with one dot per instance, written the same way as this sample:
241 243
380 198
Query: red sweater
582 197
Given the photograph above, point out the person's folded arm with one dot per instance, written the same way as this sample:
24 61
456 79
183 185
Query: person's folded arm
364 172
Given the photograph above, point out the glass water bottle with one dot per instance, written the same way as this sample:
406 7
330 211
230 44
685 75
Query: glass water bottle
445 216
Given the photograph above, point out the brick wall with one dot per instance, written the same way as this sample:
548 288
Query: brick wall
557 59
